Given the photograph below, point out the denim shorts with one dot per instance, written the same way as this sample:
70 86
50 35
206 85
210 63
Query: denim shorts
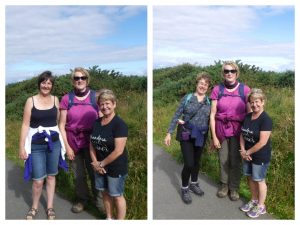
113 185
44 161
257 172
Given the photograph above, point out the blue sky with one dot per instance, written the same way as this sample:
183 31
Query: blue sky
59 38
258 35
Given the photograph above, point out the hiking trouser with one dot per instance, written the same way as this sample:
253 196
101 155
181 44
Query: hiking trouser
230 163
81 165
191 157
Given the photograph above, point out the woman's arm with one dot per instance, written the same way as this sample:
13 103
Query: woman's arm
213 112
62 125
243 152
175 120
263 139
95 164
120 144
25 127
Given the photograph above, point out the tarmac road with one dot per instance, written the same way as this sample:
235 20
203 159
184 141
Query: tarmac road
167 203
18 199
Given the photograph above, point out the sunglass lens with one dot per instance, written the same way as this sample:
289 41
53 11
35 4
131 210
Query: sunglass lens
80 78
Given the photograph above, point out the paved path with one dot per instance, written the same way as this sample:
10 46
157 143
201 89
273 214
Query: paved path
167 203
18 199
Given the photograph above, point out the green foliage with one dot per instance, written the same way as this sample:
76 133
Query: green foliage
280 93
132 108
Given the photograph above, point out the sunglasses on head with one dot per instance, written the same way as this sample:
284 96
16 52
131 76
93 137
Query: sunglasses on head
229 71
79 78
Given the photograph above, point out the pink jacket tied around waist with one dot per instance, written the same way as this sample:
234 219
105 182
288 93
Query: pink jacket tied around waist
228 125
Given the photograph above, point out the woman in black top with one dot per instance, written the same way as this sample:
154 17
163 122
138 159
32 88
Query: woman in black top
256 152
40 143
195 110
109 155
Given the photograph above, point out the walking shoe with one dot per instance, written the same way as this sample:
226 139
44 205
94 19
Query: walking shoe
222 191
78 207
185 195
194 187
257 211
248 206
234 195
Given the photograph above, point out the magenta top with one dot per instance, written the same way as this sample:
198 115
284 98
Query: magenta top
79 122
231 111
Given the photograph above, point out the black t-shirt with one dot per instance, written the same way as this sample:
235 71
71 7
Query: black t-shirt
251 132
102 139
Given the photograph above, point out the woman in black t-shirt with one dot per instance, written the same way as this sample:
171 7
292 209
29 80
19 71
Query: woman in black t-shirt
256 152
109 155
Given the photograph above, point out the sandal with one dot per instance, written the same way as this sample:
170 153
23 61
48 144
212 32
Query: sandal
31 214
50 214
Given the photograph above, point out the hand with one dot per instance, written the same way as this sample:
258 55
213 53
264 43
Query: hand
70 154
179 121
216 143
99 169
168 139
245 156
95 165
22 154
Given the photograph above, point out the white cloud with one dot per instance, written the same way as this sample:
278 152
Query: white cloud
204 34
60 36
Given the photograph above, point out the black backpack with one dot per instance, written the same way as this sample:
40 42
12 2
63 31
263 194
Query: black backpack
241 92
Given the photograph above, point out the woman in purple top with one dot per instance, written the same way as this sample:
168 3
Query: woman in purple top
228 110
77 116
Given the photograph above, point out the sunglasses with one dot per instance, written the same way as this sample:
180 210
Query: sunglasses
229 71
79 78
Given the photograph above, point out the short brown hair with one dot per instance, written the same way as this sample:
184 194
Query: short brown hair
44 76
205 76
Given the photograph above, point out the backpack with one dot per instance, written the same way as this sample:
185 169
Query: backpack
241 92
92 102
188 97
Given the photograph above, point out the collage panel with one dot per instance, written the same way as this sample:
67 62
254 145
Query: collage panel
223 112
76 112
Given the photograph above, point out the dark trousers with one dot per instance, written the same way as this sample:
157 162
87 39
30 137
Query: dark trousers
81 165
230 163
191 157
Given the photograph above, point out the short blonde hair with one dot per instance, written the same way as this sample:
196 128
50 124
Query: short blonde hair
106 95
256 93
205 76
84 73
232 64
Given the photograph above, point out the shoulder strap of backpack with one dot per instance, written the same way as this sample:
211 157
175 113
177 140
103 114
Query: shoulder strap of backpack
221 90
242 92
188 97
71 96
207 100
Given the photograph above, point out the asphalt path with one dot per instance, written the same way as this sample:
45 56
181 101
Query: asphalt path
18 199
167 203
